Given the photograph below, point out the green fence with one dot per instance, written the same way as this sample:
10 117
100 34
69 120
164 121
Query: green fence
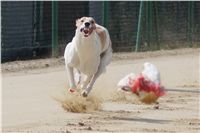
162 25
35 29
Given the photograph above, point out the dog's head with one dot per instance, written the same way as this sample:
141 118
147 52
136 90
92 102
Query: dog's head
86 26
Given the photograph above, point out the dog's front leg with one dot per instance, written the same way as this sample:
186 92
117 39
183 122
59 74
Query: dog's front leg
85 84
90 85
71 78
93 79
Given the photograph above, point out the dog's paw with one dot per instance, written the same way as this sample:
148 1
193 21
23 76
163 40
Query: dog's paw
71 90
84 93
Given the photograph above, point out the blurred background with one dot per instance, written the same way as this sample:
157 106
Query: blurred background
42 29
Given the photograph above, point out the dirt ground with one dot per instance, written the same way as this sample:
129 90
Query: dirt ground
30 89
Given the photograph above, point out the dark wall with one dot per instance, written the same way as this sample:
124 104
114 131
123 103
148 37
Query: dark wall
96 11
16 30
68 13
123 19
27 26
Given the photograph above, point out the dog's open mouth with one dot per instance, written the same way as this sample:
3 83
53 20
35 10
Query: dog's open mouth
86 31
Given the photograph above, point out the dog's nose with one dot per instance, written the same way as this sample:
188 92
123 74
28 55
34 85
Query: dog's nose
87 24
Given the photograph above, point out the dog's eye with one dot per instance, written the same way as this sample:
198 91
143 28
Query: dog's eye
82 20
92 21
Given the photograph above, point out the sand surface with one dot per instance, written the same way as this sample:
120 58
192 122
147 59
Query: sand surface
30 90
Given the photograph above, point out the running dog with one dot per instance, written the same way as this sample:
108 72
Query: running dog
89 53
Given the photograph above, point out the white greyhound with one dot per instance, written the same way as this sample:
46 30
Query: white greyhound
89 52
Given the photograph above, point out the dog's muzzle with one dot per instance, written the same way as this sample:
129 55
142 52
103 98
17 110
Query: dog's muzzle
86 31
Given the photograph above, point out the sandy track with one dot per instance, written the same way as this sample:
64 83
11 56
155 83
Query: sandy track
28 104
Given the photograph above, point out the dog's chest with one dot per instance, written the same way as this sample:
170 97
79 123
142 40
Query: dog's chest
89 55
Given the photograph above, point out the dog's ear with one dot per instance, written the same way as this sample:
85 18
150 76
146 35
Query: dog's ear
94 24
78 23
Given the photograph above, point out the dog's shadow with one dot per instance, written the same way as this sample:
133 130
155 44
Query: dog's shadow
144 120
